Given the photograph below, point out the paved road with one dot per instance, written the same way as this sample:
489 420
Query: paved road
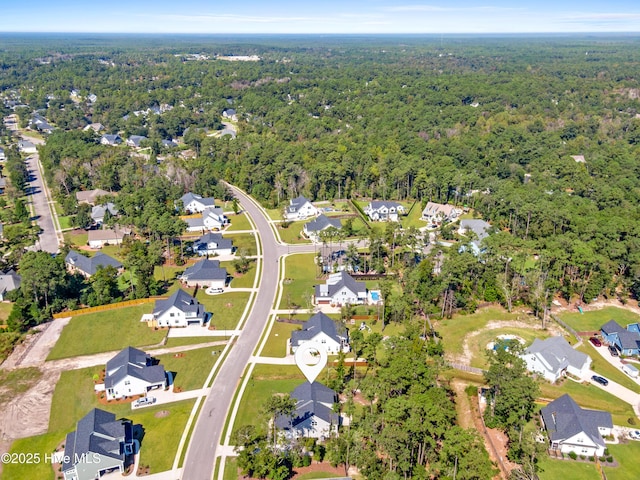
200 459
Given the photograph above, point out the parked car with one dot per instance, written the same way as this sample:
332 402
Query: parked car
144 401
595 341
613 350
601 380
634 434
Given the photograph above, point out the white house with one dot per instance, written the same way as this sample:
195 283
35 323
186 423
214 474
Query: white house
314 416
436 213
299 209
2 155
205 273
313 228
196 203
480 230
98 212
212 219
179 310
552 357
574 429
135 140
26 146
100 444
341 289
213 244
107 236
323 332
383 211
111 140
132 372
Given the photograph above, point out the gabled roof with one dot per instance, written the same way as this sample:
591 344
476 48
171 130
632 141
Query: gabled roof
477 226
296 204
336 282
111 139
135 140
132 362
189 197
204 270
194 222
212 237
321 222
433 208
564 418
9 281
313 399
99 211
90 196
180 300
97 432
629 339
90 265
556 351
215 212
378 204
612 327
316 324
108 234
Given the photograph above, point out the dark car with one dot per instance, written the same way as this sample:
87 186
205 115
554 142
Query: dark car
596 342
613 351
601 380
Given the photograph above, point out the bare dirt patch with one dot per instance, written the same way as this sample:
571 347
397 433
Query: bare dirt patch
162 414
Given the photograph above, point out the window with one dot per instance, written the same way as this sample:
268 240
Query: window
127 382
172 314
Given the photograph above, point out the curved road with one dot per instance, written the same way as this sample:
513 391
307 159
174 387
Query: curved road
201 453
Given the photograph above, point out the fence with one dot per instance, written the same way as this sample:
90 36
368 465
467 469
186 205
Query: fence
110 306
567 327
466 368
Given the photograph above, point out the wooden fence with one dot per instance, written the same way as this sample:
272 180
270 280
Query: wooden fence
110 306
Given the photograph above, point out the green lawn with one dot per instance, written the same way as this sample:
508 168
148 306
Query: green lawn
191 367
66 222
412 219
275 213
241 280
239 222
41 444
300 277
276 345
627 455
5 310
180 341
454 330
105 331
266 380
478 345
594 319
226 308
553 469
244 241
293 233
230 469
79 240
604 368
592 397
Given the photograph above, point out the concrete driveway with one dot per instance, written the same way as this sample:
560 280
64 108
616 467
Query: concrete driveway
623 393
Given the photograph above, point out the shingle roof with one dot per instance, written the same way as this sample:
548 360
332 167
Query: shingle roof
555 351
90 196
564 418
99 211
182 301
189 197
312 400
205 270
321 222
316 324
90 265
9 281
337 281
612 327
211 237
479 227
378 204
296 204
132 362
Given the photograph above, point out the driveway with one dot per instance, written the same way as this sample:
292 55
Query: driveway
617 390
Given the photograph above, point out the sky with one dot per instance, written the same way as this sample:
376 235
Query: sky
320 16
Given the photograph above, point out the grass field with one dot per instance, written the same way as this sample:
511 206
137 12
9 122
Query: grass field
604 368
105 331
238 222
266 380
594 319
412 219
292 234
230 469
301 270
552 469
66 222
41 444
5 311
478 346
191 367
455 329
276 345
244 242
627 455
227 308
241 280
79 240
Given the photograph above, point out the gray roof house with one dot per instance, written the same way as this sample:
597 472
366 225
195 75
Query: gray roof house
575 429
90 196
314 416
205 273
313 228
213 244
299 209
626 340
132 372
88 266
99 211
383 211
322 332
196 203
341 289
99 445
109 139
26 146
179 310
135 140
440 212
553 357
480 228
9 281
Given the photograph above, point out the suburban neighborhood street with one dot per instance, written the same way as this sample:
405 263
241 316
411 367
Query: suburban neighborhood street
201 453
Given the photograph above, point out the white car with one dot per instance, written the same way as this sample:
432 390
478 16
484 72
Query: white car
634 434
141 402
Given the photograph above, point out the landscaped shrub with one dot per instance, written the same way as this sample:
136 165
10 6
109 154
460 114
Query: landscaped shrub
602 459
606 451
610 459
592 459
631 421
471 390
573 455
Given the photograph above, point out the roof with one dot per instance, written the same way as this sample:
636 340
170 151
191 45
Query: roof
205 270
135 140
108 234
180 300
555 351
378 204
194 222
321 222
207 238
336 282
312 400
99 211
132 362
564 418
433 208
479 227
90 265
90 196
189 197
9 281
110 138
296 204
316 324
612 327
96 432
